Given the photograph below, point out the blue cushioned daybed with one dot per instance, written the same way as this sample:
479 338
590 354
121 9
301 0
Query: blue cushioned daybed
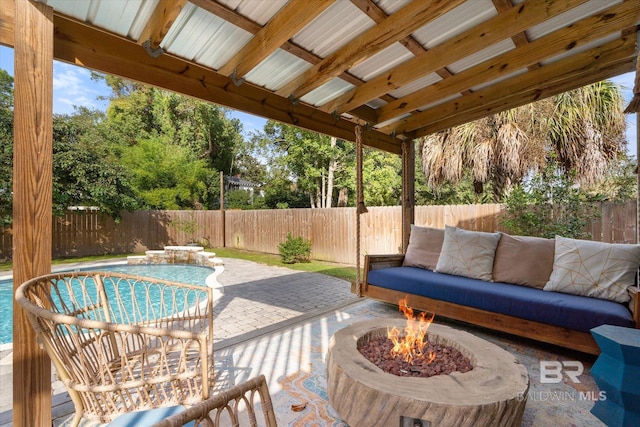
521 289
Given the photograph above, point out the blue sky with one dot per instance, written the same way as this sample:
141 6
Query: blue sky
72 85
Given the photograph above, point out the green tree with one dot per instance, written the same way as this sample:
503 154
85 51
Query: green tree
137 112
6 148
166 176
83 172
280 192
549 204
174 145
313 161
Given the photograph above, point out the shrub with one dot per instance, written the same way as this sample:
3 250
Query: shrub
550 205
295 250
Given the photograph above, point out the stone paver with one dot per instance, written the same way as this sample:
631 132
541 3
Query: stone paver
256 296
255 299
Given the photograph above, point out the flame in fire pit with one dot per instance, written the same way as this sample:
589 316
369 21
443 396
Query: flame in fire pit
410 343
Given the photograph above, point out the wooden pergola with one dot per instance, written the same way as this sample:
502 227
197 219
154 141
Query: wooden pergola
399 69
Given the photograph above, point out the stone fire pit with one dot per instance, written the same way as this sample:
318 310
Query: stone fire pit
493 393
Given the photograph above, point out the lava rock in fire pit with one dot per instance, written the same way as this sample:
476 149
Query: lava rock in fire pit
436 359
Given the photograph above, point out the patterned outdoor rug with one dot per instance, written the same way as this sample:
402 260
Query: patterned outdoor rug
293 360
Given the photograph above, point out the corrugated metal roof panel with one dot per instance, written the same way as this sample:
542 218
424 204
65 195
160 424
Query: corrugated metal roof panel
75 9
117 17
277 69
260 12
481 56
140 22
333 28
391 6
328 91
501 78
203 37
583 48
564 19
376 103
390 121
439 101
381 62
452 23
422 82
123 17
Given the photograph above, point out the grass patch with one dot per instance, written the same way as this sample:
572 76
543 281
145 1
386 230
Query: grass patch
7 266
340 271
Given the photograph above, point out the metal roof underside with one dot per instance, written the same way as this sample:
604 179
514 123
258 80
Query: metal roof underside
402 68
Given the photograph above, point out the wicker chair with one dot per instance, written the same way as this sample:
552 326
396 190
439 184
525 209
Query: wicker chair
229 409
123 343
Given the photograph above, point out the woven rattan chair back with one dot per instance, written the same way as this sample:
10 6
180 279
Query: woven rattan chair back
123 343
246 404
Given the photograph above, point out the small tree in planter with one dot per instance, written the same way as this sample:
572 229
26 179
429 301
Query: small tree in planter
295 250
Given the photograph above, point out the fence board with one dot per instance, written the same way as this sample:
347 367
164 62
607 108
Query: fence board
331 231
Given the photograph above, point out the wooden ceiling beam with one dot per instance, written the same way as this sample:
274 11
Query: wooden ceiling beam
504 25
80 44
396 27
7 19
534 83
158 25
616 18
519 39
374 12
231 16
294 16
519 99
252 27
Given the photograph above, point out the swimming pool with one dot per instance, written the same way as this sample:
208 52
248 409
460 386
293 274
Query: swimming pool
192 274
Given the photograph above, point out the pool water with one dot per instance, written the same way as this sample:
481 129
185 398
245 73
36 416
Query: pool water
191 274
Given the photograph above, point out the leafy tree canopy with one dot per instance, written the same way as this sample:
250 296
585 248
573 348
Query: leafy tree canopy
583 129
6 147
84 174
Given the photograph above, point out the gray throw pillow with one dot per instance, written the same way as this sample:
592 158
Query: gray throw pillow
594 269
424 247
468 253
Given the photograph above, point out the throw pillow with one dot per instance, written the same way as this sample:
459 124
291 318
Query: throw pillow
467 253
524 260
424 247
594 269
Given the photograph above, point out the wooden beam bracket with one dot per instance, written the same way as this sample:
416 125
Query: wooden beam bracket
153 52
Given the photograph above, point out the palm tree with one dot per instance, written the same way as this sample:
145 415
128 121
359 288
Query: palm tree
583 129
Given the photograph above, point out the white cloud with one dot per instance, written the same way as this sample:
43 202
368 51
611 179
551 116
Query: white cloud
72 86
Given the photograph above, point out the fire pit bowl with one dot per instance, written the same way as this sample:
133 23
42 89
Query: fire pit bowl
493 393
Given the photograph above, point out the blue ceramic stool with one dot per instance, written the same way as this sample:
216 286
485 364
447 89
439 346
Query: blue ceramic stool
617 373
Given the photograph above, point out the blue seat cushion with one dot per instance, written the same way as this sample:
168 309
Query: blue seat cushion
147 417
570 311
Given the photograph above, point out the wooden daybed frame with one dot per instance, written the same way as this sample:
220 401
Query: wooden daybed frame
568 338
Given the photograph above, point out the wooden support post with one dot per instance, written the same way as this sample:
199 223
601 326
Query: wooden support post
222 214
408 190
32 200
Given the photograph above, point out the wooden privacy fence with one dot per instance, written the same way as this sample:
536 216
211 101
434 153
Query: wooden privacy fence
331 231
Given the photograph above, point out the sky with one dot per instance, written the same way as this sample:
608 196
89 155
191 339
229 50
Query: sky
72 85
